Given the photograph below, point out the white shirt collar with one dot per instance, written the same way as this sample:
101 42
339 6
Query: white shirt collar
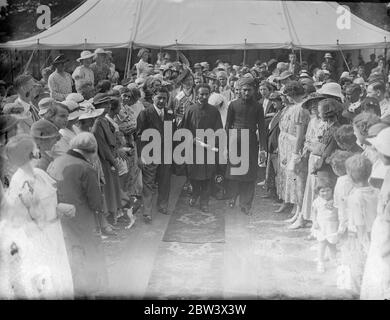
159 111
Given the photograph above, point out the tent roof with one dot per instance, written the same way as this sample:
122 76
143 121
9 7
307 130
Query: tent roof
205 24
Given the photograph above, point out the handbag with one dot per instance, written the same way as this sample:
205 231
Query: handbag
66 210
121 165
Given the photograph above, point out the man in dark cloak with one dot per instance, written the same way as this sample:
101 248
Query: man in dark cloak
204 116
246 113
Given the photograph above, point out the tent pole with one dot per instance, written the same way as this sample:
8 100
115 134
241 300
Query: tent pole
386 64
300 56
29 62
342 54
130 56
244 62
39 57
127 63
12 64
177 51
21 58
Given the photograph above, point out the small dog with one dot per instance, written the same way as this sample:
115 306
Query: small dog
131 206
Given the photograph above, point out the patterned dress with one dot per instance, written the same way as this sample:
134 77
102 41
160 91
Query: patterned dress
310 139
291 184
127 121
60 85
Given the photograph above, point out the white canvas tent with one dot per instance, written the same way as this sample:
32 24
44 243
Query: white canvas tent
205 24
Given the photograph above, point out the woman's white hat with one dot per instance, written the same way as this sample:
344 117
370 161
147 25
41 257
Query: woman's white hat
345 74
332 89
44 105
100 50
84 141
88 111
76 97
117 87
74 109
85 55
382 142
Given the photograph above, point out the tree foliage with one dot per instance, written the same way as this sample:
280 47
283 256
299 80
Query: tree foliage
374 13
18 17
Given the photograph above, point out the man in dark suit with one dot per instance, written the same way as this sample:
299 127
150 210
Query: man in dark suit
156 174
265 89
272 146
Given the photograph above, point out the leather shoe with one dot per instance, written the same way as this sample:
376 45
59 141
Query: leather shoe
163 210
107 231
147 218
204 209
247 211
299 223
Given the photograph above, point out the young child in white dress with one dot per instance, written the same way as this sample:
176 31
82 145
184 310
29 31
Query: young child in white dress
343 187
361 211
325 221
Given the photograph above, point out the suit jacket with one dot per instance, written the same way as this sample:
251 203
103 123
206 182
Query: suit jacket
273 132
149 119
269 108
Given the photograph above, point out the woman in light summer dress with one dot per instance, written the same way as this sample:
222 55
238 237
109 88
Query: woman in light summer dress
33 258
292 170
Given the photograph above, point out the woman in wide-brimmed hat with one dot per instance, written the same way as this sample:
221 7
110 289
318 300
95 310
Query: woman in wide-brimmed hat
83 73
292 165
311 140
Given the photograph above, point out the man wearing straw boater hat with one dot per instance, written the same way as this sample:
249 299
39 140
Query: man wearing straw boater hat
83 73
60 82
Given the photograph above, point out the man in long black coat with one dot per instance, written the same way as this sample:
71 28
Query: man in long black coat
204 116
246 113
155 175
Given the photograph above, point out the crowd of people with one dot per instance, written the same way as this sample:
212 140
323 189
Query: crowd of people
72 161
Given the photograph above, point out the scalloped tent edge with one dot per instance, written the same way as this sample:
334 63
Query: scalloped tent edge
205 25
